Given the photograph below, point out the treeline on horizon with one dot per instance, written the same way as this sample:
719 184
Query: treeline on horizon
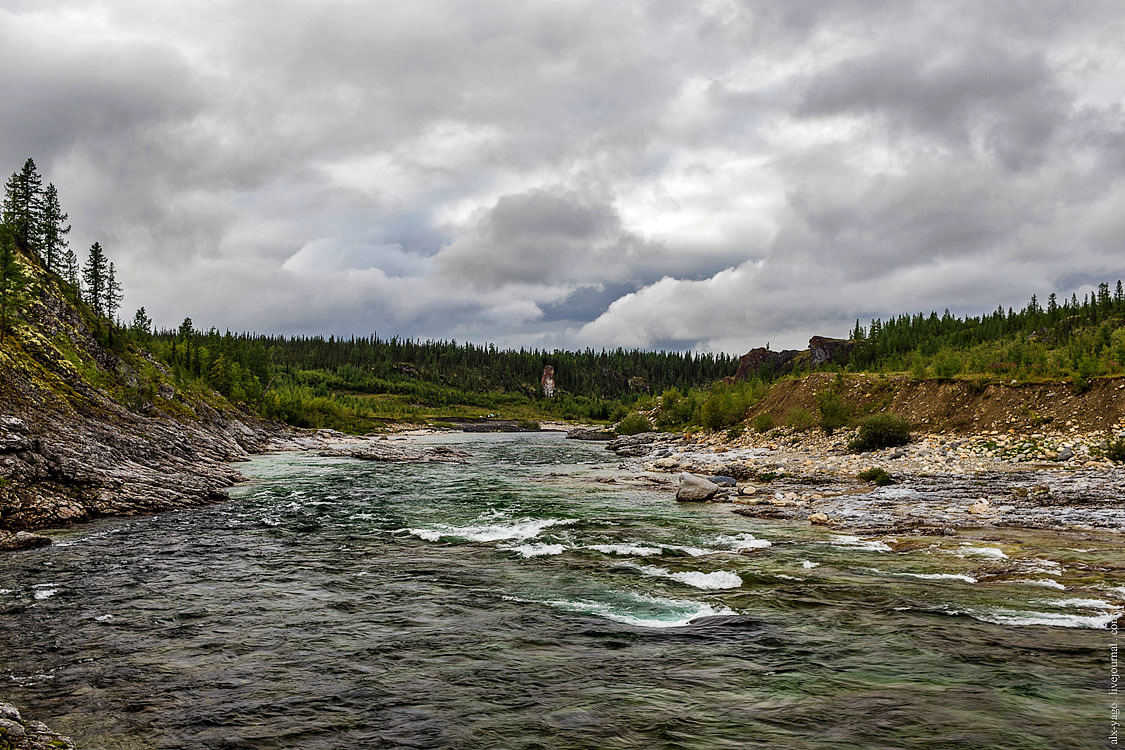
1073 339
314 381
357 384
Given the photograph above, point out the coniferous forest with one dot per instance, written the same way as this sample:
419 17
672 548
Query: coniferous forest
358 384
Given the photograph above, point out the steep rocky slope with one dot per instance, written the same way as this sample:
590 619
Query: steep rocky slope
958 405
90 428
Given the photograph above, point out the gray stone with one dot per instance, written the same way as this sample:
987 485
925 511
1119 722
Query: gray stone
1065 455
696 489
722 481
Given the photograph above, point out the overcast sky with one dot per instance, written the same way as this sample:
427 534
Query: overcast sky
666 174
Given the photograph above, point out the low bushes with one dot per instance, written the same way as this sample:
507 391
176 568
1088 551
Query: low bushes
880 431
876 476
634 424
762 422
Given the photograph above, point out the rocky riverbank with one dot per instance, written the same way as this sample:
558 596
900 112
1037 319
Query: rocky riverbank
937 484
18 733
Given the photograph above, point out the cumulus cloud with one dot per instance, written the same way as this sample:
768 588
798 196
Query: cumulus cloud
712 175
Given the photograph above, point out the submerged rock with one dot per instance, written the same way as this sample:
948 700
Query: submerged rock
583 433
696 489
399 453
22 540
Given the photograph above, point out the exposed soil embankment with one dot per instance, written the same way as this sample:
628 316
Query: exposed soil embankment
958 405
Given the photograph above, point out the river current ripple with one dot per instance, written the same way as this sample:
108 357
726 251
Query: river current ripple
518 602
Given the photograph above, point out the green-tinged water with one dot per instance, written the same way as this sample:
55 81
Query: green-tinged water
517 602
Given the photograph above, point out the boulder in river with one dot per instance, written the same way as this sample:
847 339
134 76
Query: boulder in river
695 489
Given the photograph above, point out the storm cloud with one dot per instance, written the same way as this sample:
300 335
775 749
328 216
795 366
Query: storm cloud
716 175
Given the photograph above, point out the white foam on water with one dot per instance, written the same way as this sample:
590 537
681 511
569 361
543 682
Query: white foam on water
927 576
809 564
1053 619
854 542
103 618
939 576
1050 583
5 591
693 551
44 593
787 578
1080 603
968 550
741 541
635 550
678 612
720 579
521 529
1119 590
537 550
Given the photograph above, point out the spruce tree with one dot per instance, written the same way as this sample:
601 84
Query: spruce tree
23 208
94 279
54 243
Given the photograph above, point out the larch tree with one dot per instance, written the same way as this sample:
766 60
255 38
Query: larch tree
94 279
15 283
54 231
142 324
70 272
113 294
23 208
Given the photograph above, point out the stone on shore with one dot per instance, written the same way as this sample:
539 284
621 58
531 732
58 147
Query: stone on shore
818 518
980 507
695 489
18 733
722 481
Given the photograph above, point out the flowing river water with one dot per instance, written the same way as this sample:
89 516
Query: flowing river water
523 601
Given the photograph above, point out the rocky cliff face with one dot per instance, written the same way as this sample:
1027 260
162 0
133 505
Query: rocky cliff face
88 430
763 362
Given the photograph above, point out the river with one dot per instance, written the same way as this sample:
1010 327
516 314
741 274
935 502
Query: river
527 600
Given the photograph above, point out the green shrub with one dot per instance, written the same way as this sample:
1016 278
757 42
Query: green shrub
527 424
834 413
1115 448
733 433
633 424
800 419
880 431
876 476
763 422
947 365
